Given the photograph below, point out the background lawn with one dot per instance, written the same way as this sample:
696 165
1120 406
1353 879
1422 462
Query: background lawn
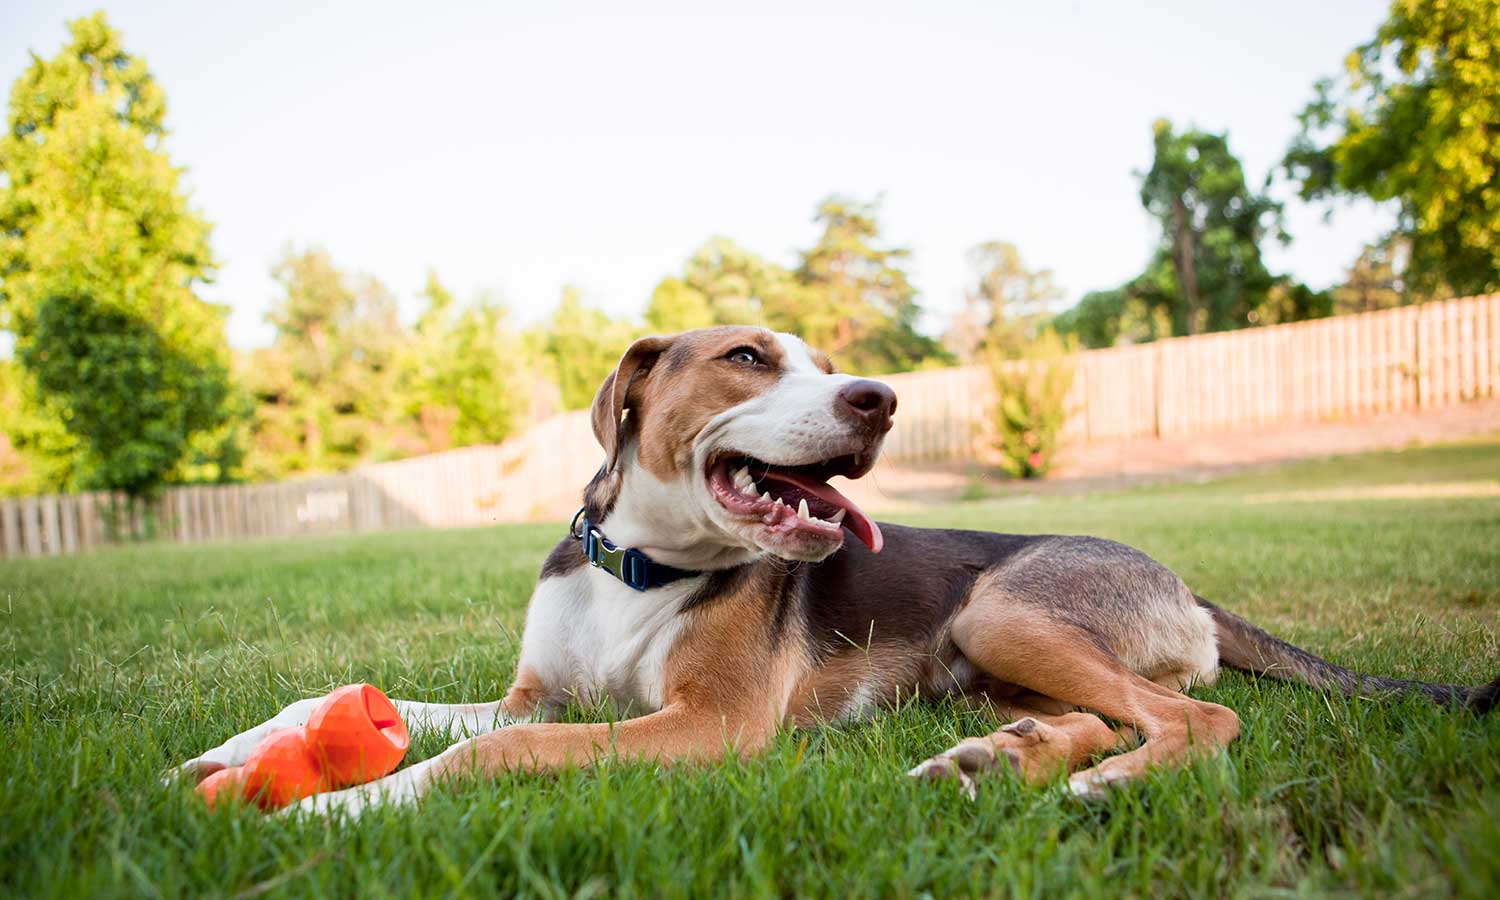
119 663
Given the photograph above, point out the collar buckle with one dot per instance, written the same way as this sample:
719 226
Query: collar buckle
625 563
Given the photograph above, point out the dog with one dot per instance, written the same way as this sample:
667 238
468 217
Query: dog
707 592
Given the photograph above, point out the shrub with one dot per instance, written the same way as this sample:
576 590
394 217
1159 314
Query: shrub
1031 389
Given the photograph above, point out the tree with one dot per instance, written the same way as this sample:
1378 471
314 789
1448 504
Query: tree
676 305
866 309
99 258
850 295
345 382
722 283
1113 316
325 388
1207 273
1414 121
1006 301
1374 280
1212 226
464 373
583 345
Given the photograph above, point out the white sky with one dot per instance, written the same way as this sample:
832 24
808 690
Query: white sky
519 147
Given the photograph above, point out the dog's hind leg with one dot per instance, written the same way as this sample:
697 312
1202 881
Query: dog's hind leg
1019 643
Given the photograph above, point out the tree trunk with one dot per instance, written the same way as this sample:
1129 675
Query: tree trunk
1182 261
312 434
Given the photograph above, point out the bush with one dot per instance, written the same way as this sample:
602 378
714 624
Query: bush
1031 390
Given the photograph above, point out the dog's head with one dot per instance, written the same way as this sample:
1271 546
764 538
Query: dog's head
726 438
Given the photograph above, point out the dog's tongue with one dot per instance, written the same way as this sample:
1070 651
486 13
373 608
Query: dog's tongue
855 519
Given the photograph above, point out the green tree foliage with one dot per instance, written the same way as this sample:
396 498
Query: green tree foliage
866 310
1006 302
676 306
325 388
218 455
345 382
1291 301
39 455
1375 279
129 395
1207 273
1113 316
99 255
850 294
583 345
722 283
1415 119
464 377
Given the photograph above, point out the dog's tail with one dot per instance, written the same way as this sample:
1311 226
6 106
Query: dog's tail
1244 646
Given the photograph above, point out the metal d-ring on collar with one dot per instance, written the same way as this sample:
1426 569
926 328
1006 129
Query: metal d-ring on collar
628 564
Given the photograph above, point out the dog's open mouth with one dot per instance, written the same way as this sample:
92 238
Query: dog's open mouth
796 499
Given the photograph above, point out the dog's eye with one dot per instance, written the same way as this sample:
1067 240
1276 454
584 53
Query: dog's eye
743 356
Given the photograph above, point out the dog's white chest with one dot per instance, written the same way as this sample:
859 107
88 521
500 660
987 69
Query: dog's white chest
590 637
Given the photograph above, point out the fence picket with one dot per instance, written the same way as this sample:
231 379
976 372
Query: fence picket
68 507
10 525
88 524
31 525
51 531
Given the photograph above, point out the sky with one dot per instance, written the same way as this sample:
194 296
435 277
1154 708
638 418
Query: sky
516 148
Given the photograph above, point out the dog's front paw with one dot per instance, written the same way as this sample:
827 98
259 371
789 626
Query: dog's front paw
963 763
399 789
236 751
350 803
192 771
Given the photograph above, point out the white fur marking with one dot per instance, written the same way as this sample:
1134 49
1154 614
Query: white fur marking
862 702
798 355
592 637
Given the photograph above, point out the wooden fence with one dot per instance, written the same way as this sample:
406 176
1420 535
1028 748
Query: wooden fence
538 473
1345 367
1340 368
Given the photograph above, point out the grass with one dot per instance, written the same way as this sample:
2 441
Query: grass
120 663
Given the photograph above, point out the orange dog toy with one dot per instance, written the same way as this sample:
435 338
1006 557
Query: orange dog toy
354 736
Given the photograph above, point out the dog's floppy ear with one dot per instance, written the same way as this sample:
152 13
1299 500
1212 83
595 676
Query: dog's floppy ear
615 396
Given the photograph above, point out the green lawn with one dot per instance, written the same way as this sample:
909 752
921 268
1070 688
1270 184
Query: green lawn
119 663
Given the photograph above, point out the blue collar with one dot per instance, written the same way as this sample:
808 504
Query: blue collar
628 564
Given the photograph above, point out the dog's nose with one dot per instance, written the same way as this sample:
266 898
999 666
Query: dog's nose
869 402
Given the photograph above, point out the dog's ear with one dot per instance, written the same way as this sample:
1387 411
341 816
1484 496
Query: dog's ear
620 391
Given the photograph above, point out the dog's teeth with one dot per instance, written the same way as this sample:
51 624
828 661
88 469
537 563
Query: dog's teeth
837 517
780 502
742 477
751 490
859 458
802 509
